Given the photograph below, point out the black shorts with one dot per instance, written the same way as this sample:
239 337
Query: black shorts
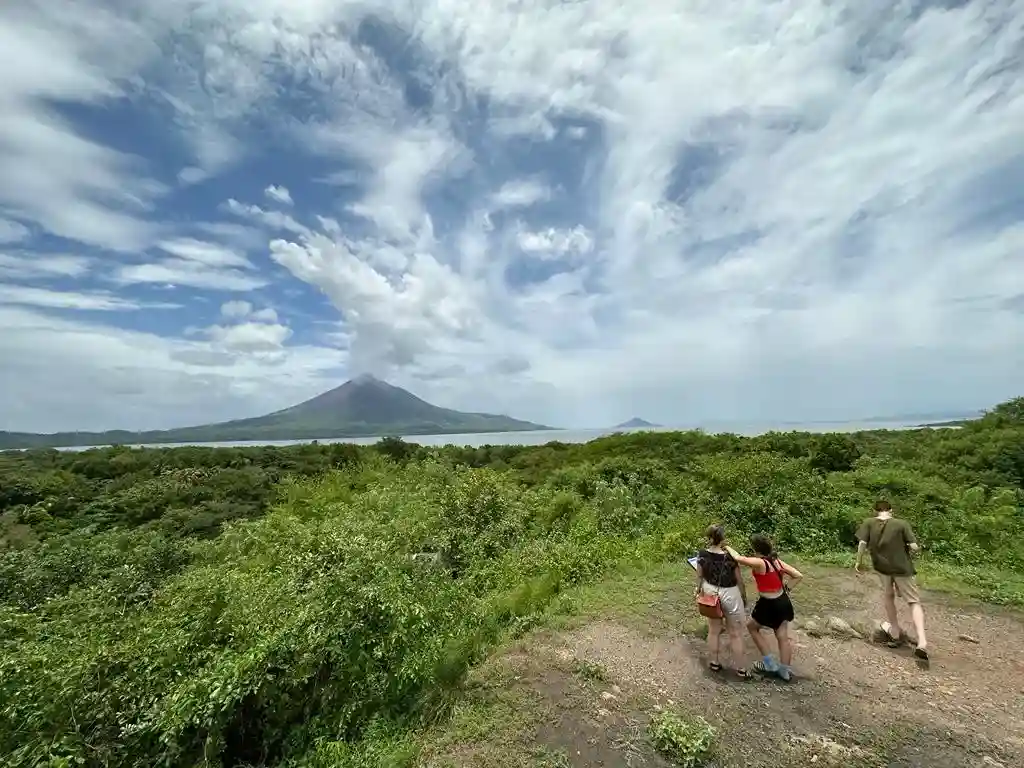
772 612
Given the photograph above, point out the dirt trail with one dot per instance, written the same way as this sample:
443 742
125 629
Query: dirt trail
593 688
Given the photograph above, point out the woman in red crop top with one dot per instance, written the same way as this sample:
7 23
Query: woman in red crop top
773 609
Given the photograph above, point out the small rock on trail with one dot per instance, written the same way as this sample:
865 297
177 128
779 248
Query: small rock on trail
841 628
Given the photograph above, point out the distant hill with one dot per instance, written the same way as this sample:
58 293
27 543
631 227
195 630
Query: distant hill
934 417
636 423
362 407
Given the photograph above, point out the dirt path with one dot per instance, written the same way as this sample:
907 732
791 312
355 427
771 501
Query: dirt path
582 695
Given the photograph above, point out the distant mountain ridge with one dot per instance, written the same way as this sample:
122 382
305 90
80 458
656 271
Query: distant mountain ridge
362 407
635 423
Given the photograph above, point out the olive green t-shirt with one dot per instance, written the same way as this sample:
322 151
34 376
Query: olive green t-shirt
888 542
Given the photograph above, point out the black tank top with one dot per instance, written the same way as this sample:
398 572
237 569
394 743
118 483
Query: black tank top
718 568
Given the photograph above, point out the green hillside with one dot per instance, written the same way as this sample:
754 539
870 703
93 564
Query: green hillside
264 606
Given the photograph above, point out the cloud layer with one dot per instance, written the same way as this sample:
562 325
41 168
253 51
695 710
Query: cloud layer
572 212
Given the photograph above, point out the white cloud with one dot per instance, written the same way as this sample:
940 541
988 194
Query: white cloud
789 209
250 337
393 321
182 272
521 193
192 175
43 297
273 220
556 243
137 380
279 195
38 265
12 231
51 175
405 162
208 254
243 310
235 309
265 315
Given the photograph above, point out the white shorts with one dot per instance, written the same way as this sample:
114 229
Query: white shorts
731 599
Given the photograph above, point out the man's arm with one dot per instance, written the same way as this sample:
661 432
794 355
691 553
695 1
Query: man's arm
909 539
862 547
862 544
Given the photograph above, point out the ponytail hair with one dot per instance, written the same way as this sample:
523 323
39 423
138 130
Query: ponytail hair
764 547
716 534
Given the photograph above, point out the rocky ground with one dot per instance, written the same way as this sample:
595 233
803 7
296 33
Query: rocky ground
581 690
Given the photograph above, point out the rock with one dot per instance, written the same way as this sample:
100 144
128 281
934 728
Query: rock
812 628
608 696
991 762
968 639
841 628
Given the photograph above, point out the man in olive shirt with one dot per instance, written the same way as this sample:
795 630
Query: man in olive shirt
891 543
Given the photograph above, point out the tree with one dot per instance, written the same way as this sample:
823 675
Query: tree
834 453
1011 410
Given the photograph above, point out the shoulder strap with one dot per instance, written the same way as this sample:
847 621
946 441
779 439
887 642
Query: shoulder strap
770 566
881 528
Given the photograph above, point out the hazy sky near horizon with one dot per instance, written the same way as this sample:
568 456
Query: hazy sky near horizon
570 211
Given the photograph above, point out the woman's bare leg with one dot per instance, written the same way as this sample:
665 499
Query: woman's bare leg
714 639
755 634
736 642
785 642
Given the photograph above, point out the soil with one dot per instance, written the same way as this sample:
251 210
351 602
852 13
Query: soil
585 695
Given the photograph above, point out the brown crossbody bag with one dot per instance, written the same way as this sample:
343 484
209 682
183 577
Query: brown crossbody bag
709 606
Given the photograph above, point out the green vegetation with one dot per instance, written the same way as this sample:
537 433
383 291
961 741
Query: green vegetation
263 606
685 740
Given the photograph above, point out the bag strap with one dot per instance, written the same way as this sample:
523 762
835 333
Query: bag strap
770 566
777 565
881 529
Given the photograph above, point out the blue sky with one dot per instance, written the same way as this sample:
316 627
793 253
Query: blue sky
572 212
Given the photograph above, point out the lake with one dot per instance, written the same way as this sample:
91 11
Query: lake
540 437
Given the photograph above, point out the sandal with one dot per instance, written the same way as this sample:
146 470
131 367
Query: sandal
714 666
742 674
890 641
921 653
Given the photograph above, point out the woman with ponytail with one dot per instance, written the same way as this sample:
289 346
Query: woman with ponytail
773 609
720 583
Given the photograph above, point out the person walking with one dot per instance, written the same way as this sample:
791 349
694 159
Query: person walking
773 608
719 576
891 544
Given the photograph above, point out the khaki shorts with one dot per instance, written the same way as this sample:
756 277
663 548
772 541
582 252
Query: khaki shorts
905 587
732 602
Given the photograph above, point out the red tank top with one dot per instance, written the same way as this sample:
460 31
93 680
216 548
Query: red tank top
771 580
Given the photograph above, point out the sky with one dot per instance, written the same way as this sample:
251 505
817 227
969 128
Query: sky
569 211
